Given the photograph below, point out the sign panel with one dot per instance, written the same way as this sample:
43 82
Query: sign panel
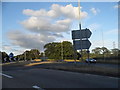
80 34
11 55
85 44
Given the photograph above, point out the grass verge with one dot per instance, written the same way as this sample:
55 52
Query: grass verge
84 69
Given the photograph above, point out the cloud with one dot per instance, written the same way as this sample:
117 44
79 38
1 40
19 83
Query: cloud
57 35
6 47
41 24
94 11
11 48
116 6
44 26
114 31
100 43
94 26
30 41
30 12
43 21
56 11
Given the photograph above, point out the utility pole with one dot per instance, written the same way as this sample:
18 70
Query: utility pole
103 45
114 45
61 50
80 27
25 55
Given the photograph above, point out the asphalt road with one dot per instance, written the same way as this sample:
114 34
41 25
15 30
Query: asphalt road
46 78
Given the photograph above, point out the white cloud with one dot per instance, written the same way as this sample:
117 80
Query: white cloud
106 43
41 24
30 12
45 26
94 26
114 31
94 11
31 41
117 6
6 47
41 21
57 10
11 48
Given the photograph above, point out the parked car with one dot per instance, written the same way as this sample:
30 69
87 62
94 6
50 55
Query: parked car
90 60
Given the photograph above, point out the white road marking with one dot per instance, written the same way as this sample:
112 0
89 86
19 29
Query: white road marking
114 77
37 87
102 76
6 75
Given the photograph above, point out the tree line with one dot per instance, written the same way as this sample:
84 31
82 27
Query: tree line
63 50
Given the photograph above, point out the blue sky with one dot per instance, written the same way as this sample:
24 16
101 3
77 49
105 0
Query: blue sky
23 24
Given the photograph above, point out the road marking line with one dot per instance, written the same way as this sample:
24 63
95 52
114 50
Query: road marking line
114 77
102 76
37 87
6 75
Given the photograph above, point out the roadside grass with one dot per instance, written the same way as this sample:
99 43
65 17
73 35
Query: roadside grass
73 67
109 61
37 60
71 60
37 63
84 69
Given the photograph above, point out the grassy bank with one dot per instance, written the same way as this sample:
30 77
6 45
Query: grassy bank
83 69
66 66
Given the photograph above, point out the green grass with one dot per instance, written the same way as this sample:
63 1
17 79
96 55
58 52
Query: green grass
84 69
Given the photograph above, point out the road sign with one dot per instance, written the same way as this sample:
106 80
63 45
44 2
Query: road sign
11 55
80 34
85 44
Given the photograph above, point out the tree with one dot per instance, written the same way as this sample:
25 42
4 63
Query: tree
68 51
0 56
35 52
57 50
32 54
105 51
96 51
5 56
115 51
53 50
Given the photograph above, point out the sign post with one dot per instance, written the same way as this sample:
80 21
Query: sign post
80 35
11 55
80 40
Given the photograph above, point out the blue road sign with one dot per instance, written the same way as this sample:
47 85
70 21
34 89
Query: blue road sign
11 55
80 34
85 44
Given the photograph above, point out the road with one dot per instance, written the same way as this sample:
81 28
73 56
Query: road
46 78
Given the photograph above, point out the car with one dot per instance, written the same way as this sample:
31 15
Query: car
90 60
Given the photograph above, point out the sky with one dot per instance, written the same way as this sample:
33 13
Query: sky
31 25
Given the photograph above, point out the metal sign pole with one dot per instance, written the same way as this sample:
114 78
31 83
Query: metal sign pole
62 50
25 56
87 43
80 28
74 54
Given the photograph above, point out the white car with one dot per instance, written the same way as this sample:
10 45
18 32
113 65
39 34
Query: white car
90 61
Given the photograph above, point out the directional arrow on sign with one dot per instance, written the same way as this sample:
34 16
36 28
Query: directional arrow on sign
80 34
85 44
11 55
